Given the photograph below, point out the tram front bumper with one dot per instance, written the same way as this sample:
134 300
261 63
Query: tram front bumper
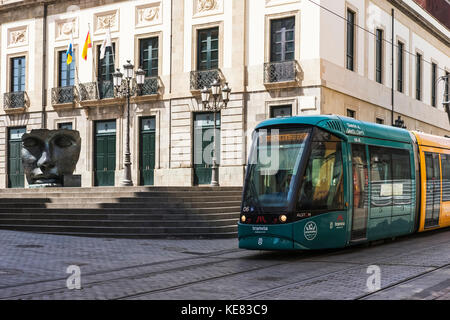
266 237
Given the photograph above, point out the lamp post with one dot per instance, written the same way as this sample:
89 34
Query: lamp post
132 86
399 123
216 106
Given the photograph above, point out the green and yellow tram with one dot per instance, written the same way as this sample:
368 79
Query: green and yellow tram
318 182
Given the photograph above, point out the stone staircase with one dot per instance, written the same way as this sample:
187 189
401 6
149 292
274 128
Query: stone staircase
123 212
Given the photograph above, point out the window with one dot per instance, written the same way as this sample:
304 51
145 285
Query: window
379 121
65 125
66 72
400 67
350 39
18 74
445 158
148 59
322 184
433 84
281 111
390 175
418 76
208 49
379 56
282 40
105 72
351 113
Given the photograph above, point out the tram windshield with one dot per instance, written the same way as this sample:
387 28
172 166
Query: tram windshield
273 164
274 161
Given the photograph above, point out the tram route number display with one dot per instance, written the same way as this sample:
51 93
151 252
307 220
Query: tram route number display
228 309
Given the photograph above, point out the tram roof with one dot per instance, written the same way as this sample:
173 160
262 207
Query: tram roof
344 126
425 139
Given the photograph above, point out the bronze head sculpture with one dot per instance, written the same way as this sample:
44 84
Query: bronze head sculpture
48 155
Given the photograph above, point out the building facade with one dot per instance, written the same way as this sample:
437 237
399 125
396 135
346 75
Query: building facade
279 57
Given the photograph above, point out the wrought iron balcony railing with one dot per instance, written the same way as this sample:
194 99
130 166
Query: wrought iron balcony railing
275 72
88 91
150 87
14 100
201 79
63 95
106 89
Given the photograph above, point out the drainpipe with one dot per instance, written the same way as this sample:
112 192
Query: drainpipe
392 68
44 69
170 84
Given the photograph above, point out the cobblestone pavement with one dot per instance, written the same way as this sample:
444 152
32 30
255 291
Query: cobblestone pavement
33 266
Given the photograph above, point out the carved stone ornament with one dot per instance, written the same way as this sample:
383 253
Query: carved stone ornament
149 15
105 22
18 37
206 5
66 28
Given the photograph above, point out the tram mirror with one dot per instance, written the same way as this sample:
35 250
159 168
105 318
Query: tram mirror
49 155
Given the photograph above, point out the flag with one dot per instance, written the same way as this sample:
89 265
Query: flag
87 45
106 43
69 52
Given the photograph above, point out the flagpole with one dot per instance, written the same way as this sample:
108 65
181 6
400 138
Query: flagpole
112 47
76 59
93 62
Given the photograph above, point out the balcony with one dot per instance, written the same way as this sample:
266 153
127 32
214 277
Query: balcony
15 102
148 91
88 91
281 74
63 97
201 79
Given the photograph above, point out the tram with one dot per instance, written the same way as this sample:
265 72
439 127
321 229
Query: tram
318 182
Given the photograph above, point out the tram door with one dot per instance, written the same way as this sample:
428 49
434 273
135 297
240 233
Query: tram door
433 194
360 192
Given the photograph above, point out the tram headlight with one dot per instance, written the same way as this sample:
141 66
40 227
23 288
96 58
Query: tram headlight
243 218
283 218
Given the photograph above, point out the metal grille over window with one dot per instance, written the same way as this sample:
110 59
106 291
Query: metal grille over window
280 71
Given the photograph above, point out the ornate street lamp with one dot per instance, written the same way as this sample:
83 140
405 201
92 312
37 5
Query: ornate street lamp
216 106
126 89
399 123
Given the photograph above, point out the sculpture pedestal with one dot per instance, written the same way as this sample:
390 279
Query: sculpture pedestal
72 181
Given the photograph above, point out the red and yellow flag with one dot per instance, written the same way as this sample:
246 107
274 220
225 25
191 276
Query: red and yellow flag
87 45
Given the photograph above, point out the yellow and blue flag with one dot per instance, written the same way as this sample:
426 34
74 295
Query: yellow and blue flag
69 52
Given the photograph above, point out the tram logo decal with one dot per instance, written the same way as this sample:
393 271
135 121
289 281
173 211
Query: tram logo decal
310 231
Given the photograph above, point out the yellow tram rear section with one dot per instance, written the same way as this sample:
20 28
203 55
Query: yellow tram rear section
434 162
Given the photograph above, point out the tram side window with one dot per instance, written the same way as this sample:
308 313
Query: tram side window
445 177
402 186
381 176
322 185
391 183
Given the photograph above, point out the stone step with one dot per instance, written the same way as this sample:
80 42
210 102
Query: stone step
120 223
127 212
93 194
121 189
130 205
198 235
121 210
117 217
116 200
145 231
